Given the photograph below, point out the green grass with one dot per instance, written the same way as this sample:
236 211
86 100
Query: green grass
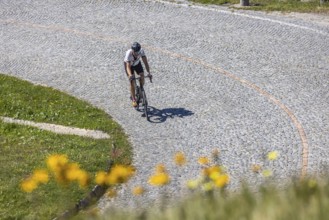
313 6
25 148
299 201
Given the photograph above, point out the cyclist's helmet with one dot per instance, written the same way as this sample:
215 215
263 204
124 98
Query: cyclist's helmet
136 47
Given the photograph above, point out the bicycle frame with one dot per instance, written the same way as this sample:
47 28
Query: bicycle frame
141 95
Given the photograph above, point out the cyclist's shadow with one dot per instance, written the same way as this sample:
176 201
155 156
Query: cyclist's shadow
160 116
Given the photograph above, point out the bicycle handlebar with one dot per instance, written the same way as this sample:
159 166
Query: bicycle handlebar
138 78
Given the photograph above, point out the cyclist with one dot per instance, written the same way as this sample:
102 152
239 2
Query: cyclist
132 64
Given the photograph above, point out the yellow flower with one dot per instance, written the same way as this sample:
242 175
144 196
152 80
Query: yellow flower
112 179
120 174
138 190
29 185
159 179
222 180
180 159
267 173
160 168
40 176
57 161
83 178
214 175
273 155
72 171
60 178
208 186
193 184
256 168
212 171
101 177
203 160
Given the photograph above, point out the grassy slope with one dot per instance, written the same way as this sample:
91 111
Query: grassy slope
25 148
312 6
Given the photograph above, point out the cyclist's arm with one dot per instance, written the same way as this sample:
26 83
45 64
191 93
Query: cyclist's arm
128 68
146 64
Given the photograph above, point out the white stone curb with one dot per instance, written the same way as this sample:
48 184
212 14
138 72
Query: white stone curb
59 129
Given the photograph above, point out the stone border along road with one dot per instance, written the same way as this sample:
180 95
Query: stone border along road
59 129
244 83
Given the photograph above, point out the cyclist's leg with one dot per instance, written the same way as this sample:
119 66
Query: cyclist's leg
132 84
140 71
142 78
132 89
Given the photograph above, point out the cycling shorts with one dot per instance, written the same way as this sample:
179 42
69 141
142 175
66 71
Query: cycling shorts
138 68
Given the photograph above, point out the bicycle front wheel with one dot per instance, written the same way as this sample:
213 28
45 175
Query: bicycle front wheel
145 105
138 96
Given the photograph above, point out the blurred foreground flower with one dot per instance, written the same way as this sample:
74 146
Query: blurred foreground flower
120 174
63 171
222 180
101 178
208 186
82 178
66 172
194 184
56 162
216 175
72 171
212 171
39 176
138 190
160 168
180 159
117 175
273 155
28 185
213 176
256 168
267 173
160 177
203 160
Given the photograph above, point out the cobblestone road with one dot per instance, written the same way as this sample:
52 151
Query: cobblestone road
244 83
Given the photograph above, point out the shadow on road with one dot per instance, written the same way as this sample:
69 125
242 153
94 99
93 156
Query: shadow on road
160 116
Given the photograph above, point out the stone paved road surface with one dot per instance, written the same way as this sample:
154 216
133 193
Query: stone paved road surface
244 83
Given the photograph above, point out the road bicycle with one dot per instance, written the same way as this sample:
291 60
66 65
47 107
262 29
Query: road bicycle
141 95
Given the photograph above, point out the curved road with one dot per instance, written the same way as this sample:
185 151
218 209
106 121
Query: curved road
244 83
